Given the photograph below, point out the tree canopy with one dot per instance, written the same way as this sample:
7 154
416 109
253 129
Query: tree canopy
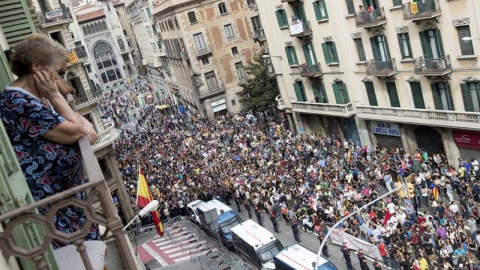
260 88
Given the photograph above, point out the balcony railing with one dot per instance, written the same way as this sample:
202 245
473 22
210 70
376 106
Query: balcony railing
290 1
310 70
433 67
340 110
203 51
252 4
211 91
259 34
468 120
184 55
54 17
381 68
97 193
83 98
106 137
299 28
370 19
425 9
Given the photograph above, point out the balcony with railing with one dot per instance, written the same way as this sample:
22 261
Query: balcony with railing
433 67
370 19
252 4
55 17
300 28
80 52
421 10
259 35
203 51
310 71
84 98
381 68
450 119
106 137
340 110
81 253
211 91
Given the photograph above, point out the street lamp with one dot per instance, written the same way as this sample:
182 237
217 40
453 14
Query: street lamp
151 206
467 39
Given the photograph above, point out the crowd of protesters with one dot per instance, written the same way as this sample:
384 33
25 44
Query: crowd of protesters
308 181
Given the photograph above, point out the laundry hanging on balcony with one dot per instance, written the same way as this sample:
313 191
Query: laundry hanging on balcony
414 7
72 56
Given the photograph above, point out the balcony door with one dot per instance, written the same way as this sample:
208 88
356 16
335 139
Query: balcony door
381 53
432 44
256 24
373 3
300 91
309 53
299 12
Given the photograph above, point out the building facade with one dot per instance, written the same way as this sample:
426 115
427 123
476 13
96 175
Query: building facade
97 26
207 45
140 14
393 72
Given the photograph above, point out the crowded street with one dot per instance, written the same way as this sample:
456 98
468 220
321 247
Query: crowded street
256 165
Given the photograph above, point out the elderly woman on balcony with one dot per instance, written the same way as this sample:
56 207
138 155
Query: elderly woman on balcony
43 129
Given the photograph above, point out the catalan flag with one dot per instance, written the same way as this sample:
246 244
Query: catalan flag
144 196
72 56
414 7
435 193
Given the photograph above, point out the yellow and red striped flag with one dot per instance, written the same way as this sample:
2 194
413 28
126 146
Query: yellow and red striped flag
144 196
72 56
435 193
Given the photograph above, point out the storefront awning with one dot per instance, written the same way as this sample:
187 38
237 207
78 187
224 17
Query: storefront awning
468 139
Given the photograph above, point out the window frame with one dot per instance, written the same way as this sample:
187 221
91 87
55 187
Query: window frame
190 18
291 53
371 95
202 41
401 44
465 47
362 57
208 77
239 67
281 18
221 6
436 92
330 48
318 7
229 32
419 94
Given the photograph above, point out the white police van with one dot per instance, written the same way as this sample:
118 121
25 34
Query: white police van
297 257
256 244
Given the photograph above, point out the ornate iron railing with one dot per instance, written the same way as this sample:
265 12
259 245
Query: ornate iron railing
437 66
97 192
310 70
380 68
365 18
55 16
419 10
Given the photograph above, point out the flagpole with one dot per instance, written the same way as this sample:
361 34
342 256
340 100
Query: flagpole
138 180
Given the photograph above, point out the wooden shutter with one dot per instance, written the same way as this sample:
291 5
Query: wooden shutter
325 53
316 89
466 47
437 100
342 89
439 42
350 7
360 50
372 98
281 18
307 55
392 94
324 96
449 97
377 56
417 95
400 43
289 58
298 92
426 48
386 48
16 21
325 9
336 92
467 97
316 8
334 49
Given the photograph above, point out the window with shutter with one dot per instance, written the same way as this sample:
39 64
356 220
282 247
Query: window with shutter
392 94
299 91
442 96
281 18
330 52
350 7
192 17
319 92
404 42
465 47
473 90
320 9
291 55
360 49
372 98
417 95
425 41
467 97
341 93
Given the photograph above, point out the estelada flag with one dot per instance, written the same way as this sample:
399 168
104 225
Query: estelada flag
144 197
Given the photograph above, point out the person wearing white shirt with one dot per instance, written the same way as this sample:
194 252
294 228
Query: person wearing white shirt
454 208
391 208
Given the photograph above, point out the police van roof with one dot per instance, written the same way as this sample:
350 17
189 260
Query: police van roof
298 257
221 207
254 234
195 204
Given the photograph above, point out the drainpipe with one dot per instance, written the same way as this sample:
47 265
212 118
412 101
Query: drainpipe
476 9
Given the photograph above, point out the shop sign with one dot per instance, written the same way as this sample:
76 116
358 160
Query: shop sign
383 128
467 139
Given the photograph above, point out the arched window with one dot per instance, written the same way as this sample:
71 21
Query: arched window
121 45
84 29
90 29
96 27
104 25
102 49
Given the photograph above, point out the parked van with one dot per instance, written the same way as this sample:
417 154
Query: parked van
256 244
297 257
192 211
217 219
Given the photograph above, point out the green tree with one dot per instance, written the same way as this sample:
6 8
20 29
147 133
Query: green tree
260 88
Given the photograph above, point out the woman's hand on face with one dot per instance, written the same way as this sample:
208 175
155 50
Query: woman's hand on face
45 83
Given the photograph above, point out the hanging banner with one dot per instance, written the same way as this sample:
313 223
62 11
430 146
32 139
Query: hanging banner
383 128
466 138
338 237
